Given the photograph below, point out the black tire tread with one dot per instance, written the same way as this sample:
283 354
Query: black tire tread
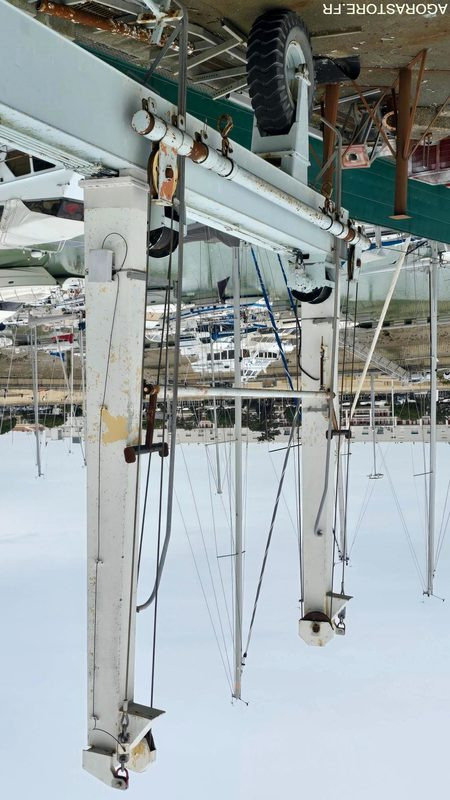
271 101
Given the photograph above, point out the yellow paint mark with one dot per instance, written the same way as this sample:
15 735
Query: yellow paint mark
117 428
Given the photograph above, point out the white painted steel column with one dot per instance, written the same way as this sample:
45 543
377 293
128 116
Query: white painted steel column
83 386
317 335
115 220
319 370
433 416
203 392
237 479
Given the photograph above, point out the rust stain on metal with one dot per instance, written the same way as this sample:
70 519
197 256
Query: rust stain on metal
117 427
167 172
199 152
350 235
79 17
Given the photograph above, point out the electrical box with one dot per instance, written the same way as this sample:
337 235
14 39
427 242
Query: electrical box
100 266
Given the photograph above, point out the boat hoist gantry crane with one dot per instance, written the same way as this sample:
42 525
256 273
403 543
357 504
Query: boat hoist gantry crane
62 103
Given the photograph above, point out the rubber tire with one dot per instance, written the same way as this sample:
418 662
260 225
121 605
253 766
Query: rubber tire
163 241
267 45
315 297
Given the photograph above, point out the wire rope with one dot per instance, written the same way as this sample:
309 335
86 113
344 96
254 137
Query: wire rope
403 521
213 517
269 537
211 618
205 550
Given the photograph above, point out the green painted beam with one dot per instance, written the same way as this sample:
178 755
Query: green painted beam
368 194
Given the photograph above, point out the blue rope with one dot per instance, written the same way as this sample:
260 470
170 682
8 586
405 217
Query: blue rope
291 297
272 320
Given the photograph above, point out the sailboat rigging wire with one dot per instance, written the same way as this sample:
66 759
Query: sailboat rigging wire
294 528
404 525
205 550
442 529
272 321
211 619
272 524
364 506
213 517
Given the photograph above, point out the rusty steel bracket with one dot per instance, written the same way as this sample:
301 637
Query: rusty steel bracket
130 452
225 126
150 393
345 432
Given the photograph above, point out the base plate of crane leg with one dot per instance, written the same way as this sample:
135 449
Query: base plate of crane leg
316 629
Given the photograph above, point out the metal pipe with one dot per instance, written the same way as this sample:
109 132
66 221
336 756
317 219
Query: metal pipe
51 318
433 417
157 130
224 392
238 580
401 159
362 378
350 97
117 28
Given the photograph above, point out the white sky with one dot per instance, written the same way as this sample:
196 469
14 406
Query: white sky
365 717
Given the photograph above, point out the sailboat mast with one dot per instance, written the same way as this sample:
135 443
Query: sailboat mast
34 370
237 479
216 432
433 408
372 414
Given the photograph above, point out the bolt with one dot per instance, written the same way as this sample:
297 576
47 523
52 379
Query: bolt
315 627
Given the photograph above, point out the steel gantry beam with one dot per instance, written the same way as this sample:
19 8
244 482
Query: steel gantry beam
65 105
